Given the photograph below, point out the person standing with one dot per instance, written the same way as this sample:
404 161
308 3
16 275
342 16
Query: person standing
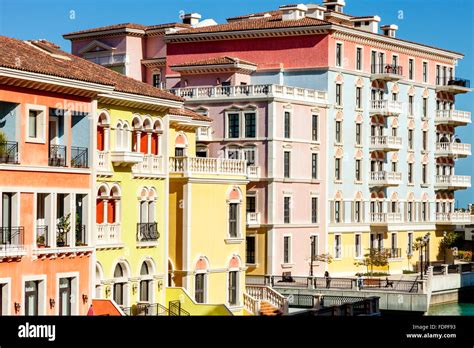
328 279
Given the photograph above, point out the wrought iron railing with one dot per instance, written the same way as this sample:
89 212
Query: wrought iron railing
147 232
9 152
57 155
12 237
387 69
175 309
79 157
42 236
453 81
62 237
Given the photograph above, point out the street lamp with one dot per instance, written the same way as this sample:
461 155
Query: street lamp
425 243
313 242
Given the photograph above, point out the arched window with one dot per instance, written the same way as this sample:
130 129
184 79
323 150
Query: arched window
120 282
200 280
137 126
233 282
119 132
99 274
146 287
103 126
155 146
147 226
234 202
181 143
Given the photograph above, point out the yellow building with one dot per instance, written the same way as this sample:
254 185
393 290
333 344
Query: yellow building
132 197
206 220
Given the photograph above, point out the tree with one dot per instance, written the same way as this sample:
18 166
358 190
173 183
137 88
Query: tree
449 240
377 258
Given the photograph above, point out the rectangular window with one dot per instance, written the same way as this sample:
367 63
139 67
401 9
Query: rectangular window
373 62
394 167
65 292
314 166
357 170
358 131
337 211
424 174
33 123
424 211
358 97
358 246
410 105
286 164
314 210
233 219
425 141
381 62
250 249
199 288
157 80
425 71
410 211
438 77
314 247
410 243
286 249
410 173
338 131
233 288
251 204
359 58
357 211
286 210
32 298
234 126
411 73
425 107
249 155
287 124
250 125
337 169
337 246
338 95
339 54
394 243
315 128
410 139
395 61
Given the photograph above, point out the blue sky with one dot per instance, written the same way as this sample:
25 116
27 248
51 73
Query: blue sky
442 23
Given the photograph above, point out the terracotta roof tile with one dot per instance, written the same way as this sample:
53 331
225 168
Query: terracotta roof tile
215 61
128 26
48 59
189 113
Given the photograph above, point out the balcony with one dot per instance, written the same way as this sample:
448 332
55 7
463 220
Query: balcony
205 165
109 60
81 235
57 155
126 158
103 161
383 219
385 143
453 117
147 232
203 134
455 85
386 72
79 157
151 165
385 107
391 253
253 219
455 218
249 91
12 244
253 172
453 150
385 178
108 235
452 182
42 236
9 152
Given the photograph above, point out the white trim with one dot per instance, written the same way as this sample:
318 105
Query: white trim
42 290
41 121
6 284
74 292
341 256
361 58
290 251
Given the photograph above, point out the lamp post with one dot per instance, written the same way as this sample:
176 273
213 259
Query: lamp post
313 241
425 243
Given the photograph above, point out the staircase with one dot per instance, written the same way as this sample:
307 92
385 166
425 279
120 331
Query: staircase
263 300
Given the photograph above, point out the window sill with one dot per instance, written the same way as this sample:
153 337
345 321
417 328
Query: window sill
338 143
150 244
358 182
287 265
338 181
359 109
35 141
233 240
252 265
425 185
340 107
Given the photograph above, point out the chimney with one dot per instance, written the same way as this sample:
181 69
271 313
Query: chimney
293 12
191 19
369 24
389 30
335 5
316 11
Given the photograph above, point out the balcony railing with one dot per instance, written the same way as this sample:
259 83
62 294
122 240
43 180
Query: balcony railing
9 152
12 239
108 234
79 157
147 232
103 163
253 172
151 164
109 60
203 134
386 72
81 235
457 217
42 236
385 107
453 85
456 117
453 181
246 91
205 165
57 155
454 149
384 218
385 142
385 178
253 218
391 253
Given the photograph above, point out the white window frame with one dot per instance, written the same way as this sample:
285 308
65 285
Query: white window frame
290 114
227 123
361 58
74 291
242 118
341 65
311 209
237 286
289 208
41 123
205 285
239 236
6 283
427 71
254 236
42 293
414 68
290 247
358 251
